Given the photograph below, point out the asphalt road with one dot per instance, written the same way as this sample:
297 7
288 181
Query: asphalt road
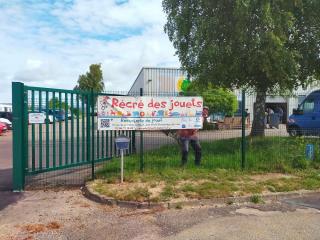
66 215
6 161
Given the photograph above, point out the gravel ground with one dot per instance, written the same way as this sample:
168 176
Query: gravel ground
68 215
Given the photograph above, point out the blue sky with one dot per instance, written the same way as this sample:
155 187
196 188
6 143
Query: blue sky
50 43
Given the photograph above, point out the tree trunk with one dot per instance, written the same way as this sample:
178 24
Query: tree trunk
259 114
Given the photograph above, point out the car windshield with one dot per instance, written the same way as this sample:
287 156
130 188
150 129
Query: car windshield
307 105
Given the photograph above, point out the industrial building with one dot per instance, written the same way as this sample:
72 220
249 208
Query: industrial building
158 80
5 107
167 81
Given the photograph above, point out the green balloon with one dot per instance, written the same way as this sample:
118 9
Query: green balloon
185 84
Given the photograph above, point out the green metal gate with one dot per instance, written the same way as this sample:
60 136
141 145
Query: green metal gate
67 139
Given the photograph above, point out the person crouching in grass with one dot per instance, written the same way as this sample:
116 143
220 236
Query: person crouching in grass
187 136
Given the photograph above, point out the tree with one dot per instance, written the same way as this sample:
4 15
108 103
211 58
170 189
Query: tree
92 79
55 103
219 100
262 45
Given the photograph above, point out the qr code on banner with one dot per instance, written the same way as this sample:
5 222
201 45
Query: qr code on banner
105 123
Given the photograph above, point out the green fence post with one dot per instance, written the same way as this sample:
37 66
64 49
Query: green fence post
18 142
88 140
133 137
243 139
141 143
92 132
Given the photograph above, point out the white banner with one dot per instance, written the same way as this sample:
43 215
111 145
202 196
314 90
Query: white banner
149 113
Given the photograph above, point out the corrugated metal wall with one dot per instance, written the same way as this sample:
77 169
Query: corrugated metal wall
158 80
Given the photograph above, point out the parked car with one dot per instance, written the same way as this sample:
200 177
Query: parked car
7 115
57 115
305 120
3 128
7 122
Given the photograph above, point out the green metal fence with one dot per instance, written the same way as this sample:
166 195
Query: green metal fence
67 144
67 148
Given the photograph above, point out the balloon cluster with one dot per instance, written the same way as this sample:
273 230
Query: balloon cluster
183 84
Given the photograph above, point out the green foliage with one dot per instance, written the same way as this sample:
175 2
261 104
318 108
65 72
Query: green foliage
220 173
139 194
92 79
300 163
268 154
265 45
219 100
167 193
54 102
256 199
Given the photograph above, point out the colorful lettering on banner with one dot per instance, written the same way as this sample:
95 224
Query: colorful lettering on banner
149 113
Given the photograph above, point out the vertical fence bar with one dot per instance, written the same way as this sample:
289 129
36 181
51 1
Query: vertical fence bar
114 145
243 139
40 131
33 144
66 129
98 144
141 143
60 129
83 127
102 144
53 129
18 141
134 148
88 127
130 145
72 129
92 132
26 130
47 131
111 147
107 144
78 129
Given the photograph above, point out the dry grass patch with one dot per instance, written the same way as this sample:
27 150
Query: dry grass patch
37 228
174 185
269 176
53 225
34 228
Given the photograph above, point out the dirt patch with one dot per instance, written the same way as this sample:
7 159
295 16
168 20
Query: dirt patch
34 228
269 176
53 225
203 186
38 228
156 189
139 191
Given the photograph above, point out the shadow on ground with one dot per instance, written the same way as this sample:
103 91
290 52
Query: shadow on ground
8 198
6 179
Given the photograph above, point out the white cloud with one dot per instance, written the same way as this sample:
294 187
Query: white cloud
105 16
54 50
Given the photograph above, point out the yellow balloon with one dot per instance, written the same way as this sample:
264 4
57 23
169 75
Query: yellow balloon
179 83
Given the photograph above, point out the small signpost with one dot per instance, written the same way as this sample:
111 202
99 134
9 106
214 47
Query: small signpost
122 143
310 151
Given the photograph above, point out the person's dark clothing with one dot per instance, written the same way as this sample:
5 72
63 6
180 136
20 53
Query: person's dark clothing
187 136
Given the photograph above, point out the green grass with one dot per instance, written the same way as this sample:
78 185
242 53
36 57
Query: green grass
220 173
256 199
268 154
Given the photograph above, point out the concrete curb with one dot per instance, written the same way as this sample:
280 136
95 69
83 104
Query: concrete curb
96 197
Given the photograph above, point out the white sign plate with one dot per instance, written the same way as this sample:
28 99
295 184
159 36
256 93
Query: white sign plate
37 118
